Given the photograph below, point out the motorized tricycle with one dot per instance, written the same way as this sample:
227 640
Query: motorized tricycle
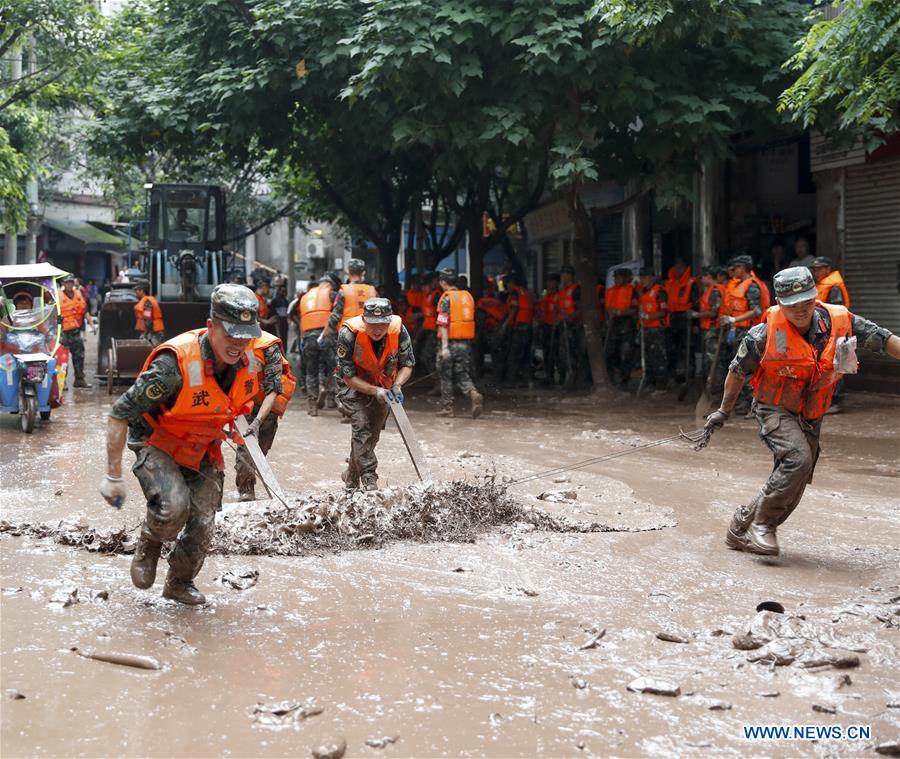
32 362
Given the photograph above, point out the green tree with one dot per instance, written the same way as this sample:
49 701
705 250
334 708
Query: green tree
850 64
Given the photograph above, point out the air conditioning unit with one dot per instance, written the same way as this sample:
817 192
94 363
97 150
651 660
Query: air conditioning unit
315 248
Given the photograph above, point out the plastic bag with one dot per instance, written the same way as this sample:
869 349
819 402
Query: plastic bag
845 360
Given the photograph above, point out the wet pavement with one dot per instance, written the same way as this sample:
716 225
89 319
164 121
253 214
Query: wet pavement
490 647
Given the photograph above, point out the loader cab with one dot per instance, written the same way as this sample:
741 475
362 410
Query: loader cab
185 235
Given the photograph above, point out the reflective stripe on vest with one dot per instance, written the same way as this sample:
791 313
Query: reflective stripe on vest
376 371
288 380
649 304
833 280
355 295
315 308
707 322
193 427
790 374
462 314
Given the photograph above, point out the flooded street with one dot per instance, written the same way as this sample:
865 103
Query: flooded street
492 647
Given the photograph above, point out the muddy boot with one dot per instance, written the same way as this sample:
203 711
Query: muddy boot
323 394
350 483
477 403
345 420
761 539
183 591
146 556
369 482
313 406
80 381
329 401
247 494
736 537
446 411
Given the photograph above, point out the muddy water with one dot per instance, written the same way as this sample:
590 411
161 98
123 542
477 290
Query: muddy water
483 661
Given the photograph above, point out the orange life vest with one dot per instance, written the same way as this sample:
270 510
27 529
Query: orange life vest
409 318
288 380
377 371
833 280
679 290
548 309
429 310
649 304
73 310
790 374
525 311
263 306
355 295
148 303
736 301
462 314
567 305
707 322
415 298
315 308
495 309
195 425
619 298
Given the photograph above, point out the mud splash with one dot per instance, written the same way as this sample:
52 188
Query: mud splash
456 511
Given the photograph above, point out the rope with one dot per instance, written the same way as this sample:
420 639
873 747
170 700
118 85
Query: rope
597 459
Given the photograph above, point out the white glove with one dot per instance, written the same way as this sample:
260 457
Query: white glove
320 339
727 321
113 490
252 428
445 354
382 395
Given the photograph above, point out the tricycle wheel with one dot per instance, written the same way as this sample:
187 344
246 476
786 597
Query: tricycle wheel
45 416
28 415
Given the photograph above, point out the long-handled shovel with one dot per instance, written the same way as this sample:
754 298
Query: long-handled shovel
682 393
704 403
643 363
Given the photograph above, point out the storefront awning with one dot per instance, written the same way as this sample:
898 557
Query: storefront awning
88 234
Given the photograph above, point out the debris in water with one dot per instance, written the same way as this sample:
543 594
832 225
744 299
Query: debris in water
332 749
100 595
126 660
672 637
840 681
831 659
824 708
283 713
529 592
58 492
655 686
593 640
460 569
558 496
65 597
77 534
240 579
14 695
719 706
769 694
579 683
11 591
382 742
890 748
468 455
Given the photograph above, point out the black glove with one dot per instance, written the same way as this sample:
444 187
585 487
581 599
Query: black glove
715 421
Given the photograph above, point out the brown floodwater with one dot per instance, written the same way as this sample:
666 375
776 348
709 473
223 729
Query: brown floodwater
464 649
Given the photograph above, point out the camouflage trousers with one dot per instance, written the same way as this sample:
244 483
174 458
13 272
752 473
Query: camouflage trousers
181 506
515 361
318 362
425 348
619 349
73 341
655 358
794 443
549 349
367 417
570 338
680 344
710 342
455 370
244 471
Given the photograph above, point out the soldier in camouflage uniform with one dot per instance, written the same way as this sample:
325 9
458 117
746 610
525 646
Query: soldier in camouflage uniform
173 418
73 309
375 359
456 330
318 356
741 307
792 360
621 310
653 314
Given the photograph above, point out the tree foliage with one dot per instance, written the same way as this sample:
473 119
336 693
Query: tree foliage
850 66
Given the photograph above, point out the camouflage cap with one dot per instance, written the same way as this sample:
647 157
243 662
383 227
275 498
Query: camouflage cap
447 275
377 311
356 266
743 260
794 285
622 271
821 261
236 307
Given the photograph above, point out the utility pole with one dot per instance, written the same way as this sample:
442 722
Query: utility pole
12 237
33 224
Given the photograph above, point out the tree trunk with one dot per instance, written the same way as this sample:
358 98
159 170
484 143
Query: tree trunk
387 261
476 256
586 276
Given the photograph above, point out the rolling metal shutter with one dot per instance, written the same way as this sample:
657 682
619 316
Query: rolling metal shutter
872 242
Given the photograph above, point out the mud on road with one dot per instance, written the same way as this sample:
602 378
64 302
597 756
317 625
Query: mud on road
515 641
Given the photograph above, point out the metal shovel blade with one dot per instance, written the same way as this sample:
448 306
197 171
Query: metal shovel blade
259 461
409 440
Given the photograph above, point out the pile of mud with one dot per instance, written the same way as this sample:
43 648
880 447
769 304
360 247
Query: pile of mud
456 511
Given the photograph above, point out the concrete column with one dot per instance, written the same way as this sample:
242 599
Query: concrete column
830 214
249 254
635 221
34 221
12 246
703 233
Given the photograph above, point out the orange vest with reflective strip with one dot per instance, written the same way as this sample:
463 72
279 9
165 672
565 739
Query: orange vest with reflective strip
567 305
525 312
495 309
707 322
429 310
415 298
548 308
263 306
619 297
355 296
649 304
315 308
377 371
462 314
679 290
288 380
736 301
194 427
145 303
73 310
833 280
790 374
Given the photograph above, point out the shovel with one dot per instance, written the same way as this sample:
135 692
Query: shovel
682 393
643 363
704 404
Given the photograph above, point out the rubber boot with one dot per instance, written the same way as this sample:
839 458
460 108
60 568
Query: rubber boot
350 483
323 394
183 591
313 406
477 403
761 539
145 559
247 494
736 536
446 411
369 482
80 381
329 400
